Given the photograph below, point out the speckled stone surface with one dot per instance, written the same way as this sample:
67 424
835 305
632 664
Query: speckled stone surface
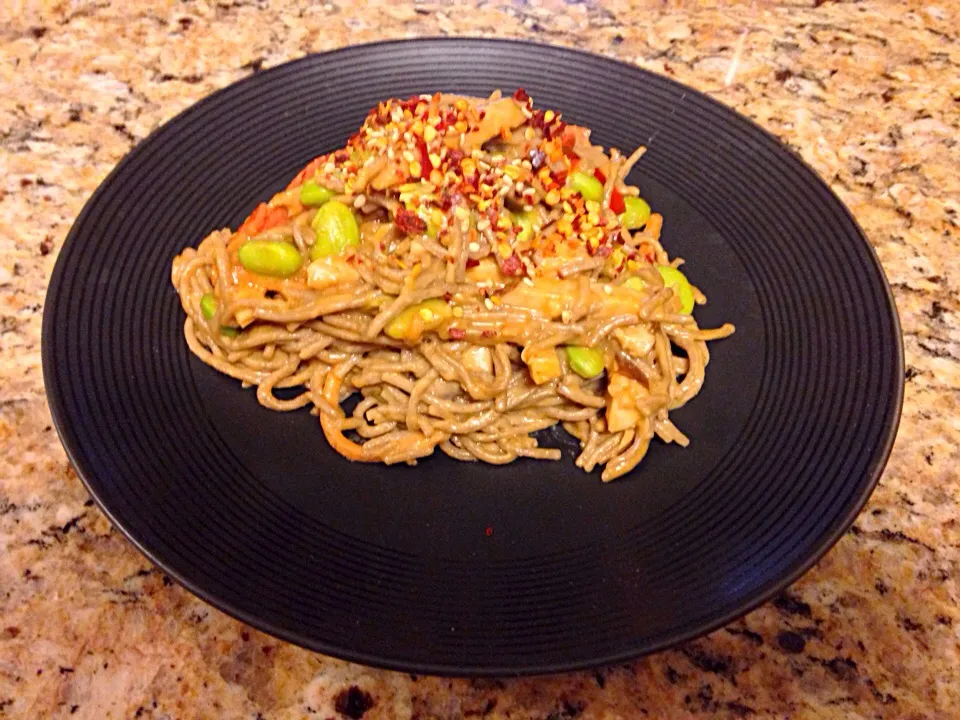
868 93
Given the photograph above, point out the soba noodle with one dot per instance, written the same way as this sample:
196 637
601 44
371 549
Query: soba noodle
498 278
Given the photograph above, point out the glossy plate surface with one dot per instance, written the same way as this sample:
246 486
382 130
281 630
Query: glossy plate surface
466 568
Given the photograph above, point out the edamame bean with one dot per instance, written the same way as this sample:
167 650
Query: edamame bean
228 331
585 362
270 257
587 185
413 321
208 305
635 214
314 195
336 228
525 221
675 279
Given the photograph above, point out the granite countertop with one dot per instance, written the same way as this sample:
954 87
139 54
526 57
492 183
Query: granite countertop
868 92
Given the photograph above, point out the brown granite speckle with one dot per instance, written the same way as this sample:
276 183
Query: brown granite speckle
867 92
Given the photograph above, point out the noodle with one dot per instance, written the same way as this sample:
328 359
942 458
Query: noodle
482 279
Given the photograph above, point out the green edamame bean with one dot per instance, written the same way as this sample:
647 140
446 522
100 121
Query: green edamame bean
208 305
585 362
587 185
336 228
675 279
229 331
314 195
270 257
525 221
635 214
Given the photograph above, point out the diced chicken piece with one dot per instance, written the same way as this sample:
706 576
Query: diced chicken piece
546 295
477 358
244 316
544 365
331 271
504 114
486 271
636 340
622 412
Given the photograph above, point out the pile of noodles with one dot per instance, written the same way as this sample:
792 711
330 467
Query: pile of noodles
464 386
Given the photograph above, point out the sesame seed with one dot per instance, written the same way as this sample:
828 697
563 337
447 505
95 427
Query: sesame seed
360 201
608 290
474 247
488 304
528 281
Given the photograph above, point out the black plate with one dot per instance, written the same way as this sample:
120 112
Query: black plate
468 568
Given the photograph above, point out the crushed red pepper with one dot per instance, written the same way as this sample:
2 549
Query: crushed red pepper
418 147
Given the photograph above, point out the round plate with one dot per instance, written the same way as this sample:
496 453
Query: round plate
462 568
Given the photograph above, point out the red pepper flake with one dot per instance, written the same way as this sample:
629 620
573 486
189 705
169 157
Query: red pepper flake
409 222
472 262
455 156
537 120
457 333
489 531
616 202
604 251
512 265
341 156
616 199
424 155
521 95
487 333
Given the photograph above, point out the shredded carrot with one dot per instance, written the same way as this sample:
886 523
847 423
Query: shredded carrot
263 218
308 172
